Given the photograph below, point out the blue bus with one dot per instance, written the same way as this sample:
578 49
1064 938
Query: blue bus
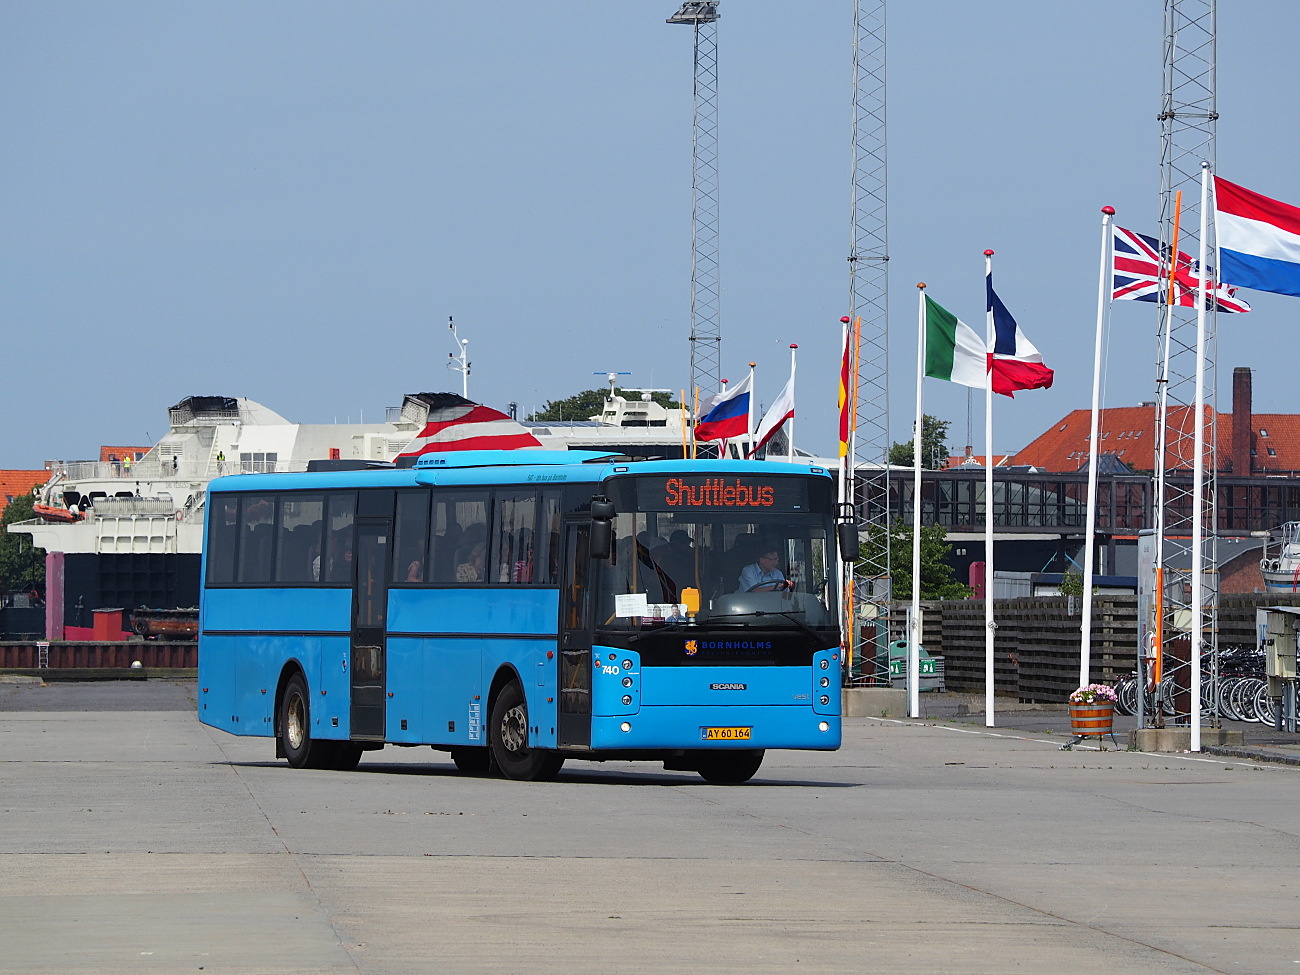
517 608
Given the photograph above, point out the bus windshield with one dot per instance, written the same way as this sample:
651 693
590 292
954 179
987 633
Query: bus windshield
758 549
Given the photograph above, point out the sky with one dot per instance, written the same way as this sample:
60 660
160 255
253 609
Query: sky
288 201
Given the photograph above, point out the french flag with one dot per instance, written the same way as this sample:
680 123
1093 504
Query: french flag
1014 363
728 414
1259 240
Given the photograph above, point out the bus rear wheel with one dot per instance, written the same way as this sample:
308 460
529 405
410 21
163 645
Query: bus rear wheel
729 767
508 735
295 729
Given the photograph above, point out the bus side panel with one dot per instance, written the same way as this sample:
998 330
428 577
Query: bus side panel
324 661
217 681
451 674
302 610
409 691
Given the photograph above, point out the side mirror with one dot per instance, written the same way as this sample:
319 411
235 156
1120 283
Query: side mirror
848 538
846 530
600 540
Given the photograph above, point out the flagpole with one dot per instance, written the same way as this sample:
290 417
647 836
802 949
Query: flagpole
789 434
1085 641
990 335
845 567
749 417
1198 472
914 623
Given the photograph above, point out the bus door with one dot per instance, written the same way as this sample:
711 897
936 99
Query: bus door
370 614
576 602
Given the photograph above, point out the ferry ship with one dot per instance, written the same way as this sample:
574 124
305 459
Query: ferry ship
118 536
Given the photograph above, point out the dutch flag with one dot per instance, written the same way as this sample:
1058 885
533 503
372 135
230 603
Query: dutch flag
1259 240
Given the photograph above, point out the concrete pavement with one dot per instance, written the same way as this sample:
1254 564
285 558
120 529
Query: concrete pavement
138 840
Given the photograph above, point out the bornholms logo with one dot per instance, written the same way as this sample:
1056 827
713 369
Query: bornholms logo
692 648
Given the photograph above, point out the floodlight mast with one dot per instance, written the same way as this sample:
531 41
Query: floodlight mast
706 330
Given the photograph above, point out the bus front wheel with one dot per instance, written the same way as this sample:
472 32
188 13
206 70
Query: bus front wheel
508 735
729 767
295 728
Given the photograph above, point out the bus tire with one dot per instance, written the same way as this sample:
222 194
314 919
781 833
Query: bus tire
295 728
472 760
730 767
508 736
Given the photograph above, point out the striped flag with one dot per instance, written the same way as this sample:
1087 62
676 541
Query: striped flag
1259 239
1138 275
952 349
455 423
1014 363
848 386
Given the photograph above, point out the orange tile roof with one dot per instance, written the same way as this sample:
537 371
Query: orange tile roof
15 483
1129 434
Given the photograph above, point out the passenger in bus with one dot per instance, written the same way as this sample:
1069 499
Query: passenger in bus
765 575
415 571
471 570
522 570
678 557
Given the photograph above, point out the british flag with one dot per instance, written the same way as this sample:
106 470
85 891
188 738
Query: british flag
1140 275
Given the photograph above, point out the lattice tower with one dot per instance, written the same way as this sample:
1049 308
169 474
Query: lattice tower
869 312
1188 119
706 327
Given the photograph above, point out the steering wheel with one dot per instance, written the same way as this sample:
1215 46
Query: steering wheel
771 585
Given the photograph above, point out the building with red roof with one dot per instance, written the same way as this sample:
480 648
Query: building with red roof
1249 443
16 483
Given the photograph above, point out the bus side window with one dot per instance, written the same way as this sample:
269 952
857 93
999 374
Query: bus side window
336 566
223 537
257 538
412 536
459 532
513 550
300 536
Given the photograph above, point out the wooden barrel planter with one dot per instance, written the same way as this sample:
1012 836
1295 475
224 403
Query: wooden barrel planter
1092 720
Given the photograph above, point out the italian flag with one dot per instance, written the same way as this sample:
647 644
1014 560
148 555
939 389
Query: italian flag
952 349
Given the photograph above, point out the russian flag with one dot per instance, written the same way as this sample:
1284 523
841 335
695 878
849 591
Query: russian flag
728 414
1259 240
1014 363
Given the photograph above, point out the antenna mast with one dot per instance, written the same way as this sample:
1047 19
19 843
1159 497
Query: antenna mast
706 330
867 478
1188 118
459 363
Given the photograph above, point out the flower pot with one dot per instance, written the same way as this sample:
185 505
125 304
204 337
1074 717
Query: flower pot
1092 719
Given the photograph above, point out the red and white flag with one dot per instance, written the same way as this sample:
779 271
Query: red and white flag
455 423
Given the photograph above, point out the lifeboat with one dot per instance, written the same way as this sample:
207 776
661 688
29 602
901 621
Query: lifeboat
49 512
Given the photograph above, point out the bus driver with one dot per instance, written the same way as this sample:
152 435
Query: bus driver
764 574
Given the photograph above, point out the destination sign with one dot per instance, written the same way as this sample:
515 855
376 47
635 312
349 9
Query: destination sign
727 491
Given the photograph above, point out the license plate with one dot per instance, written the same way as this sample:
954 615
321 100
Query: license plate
725 734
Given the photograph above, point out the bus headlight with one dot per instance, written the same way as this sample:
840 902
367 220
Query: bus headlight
626 726
825 700
627 681
826 682
627 699
824 726
825 663
627 665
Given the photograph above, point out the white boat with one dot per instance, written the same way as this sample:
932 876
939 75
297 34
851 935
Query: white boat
1280 565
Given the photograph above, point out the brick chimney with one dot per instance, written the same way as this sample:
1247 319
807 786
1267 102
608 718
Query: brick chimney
1243 437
